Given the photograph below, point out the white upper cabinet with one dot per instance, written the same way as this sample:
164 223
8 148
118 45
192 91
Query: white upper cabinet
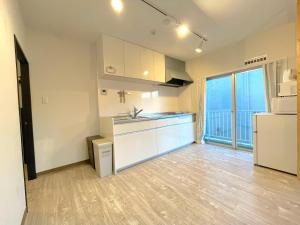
159 67
132 59
113 56
121 58
147 64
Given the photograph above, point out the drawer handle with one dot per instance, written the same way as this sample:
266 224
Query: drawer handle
111 70
108 151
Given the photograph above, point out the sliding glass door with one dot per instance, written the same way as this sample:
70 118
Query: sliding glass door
231 101
250 99
219 110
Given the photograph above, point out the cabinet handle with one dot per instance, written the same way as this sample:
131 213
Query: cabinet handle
107 151
111 69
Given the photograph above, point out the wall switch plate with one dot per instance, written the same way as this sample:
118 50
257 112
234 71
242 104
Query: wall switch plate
103 92
45 100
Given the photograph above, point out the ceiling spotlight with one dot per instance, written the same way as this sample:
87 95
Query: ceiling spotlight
182 30
199 49
117 5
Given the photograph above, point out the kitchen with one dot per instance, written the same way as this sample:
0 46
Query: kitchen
160 132
137 74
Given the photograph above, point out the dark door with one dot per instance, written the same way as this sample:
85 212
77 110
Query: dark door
25 112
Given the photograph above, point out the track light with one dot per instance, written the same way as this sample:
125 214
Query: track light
199 49
117 5
182 30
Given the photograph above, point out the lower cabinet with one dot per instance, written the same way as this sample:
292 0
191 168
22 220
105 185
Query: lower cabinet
187 133
167 138
174 136
134 147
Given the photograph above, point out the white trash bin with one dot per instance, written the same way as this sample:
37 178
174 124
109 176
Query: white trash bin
103 157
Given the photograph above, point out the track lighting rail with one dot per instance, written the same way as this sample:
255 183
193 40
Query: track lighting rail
170 16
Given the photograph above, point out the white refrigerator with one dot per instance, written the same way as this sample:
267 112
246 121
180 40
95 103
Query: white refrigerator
275 141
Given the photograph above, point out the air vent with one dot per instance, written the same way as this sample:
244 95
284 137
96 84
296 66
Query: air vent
255 60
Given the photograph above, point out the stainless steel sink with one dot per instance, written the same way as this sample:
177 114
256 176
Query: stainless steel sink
143 117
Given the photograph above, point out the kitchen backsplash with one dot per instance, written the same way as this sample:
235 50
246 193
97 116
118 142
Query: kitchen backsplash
150 98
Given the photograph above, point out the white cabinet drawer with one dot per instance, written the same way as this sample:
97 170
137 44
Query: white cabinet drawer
174 121
134 127
185 119
167 122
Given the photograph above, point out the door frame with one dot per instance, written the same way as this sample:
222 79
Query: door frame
233 111
24 67
233 75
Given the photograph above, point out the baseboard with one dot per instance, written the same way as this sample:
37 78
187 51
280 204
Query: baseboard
24 216
293 174
63 167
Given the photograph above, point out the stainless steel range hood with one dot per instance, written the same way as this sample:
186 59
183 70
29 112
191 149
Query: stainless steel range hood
176 76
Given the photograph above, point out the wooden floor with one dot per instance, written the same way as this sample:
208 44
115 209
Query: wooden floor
199 184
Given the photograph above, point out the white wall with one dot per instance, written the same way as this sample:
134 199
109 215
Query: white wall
62 70
277 43
150 98
12 193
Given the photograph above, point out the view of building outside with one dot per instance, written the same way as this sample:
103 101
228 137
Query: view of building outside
250 98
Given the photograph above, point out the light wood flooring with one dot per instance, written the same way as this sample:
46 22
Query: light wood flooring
200 184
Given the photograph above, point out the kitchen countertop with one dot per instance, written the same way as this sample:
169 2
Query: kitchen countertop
149 116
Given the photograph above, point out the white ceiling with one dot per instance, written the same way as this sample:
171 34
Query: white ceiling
222 21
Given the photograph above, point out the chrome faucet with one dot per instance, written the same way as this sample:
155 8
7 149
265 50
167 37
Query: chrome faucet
136 112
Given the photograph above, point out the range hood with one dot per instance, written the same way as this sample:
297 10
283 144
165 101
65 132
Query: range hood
176 76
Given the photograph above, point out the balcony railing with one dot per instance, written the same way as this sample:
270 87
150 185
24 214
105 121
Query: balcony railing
219 127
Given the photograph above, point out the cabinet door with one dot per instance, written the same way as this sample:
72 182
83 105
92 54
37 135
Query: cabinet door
113 56
134 147
147 64
187 131
159 67
132 55
168 138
